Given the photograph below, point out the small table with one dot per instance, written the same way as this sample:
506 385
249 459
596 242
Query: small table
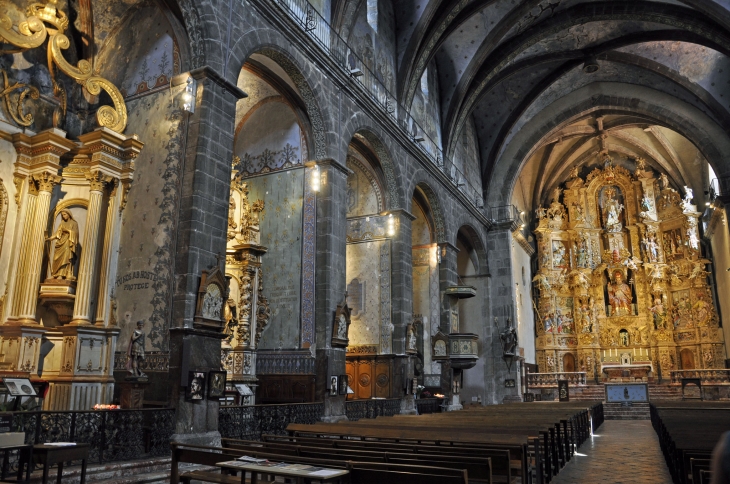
25 452
58 454
333 475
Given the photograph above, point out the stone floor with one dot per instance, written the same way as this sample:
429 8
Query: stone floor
621 452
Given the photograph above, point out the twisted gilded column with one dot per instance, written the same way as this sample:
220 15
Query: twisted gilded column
82 306
26 289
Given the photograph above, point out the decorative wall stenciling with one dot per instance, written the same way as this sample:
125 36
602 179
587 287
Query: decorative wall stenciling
284 362
386 329
367 228
309 235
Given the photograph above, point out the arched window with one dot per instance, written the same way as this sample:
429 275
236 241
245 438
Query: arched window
424 83
373 14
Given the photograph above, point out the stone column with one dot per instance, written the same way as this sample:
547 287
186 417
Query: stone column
85 284
26 295
449 305
201 236
107 249
501 306
330 280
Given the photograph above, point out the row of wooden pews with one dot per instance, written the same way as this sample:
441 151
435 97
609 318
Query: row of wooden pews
688 431
528 443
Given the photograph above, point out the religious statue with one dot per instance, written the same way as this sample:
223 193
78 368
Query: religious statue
701 310
582 254
232 225
509 341
135 351
573 172
688 196
411 339
619 294
540 213
548 323
586 322
664 181
640 164
229 317
612 211
709 359
558 255
623 337
342 327
64 253
657 310
578 211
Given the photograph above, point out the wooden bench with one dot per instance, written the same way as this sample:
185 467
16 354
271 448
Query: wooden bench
202 455
361 473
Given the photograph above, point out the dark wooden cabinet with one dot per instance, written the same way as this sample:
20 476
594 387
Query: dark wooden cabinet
370 376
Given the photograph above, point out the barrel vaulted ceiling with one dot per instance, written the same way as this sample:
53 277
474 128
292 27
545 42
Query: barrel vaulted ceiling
504 63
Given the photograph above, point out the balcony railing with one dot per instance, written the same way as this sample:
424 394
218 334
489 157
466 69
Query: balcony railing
711 376
719 187
357 409
335 48
504 214
541 380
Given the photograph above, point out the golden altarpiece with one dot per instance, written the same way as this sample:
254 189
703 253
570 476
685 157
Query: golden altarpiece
246 310
58 311
622 286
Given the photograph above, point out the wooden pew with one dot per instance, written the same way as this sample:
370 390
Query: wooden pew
372 474
203 455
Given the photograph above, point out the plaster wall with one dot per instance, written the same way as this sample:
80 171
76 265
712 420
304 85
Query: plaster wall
524 312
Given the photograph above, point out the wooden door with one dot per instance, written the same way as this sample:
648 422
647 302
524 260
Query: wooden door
687 358
568 362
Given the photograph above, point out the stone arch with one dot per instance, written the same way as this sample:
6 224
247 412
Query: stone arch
274 46
393 190
437 213
195 32
663 110
477 245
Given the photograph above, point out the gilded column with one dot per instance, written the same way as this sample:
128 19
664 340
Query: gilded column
82 306
111 218
17 288
27 285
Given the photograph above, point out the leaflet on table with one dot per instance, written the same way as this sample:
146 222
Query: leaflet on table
324 473
251 460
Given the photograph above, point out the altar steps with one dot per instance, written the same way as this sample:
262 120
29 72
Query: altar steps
620 411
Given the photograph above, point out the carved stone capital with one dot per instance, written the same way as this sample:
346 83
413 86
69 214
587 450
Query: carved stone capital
98 181
45 181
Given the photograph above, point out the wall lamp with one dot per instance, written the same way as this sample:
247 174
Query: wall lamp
391 225
188 95
315 178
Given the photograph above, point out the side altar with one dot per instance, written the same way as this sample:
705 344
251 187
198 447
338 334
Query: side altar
622 287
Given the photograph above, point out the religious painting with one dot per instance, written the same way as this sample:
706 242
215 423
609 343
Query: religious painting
343 385
673 242
217 384
702 311
620 297
560 256
611 202
334 388
681 309
558 316
196 386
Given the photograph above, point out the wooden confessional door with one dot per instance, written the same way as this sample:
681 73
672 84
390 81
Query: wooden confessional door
370 376
568 362
687 358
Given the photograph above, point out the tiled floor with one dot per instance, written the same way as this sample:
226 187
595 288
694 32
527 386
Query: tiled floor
621 452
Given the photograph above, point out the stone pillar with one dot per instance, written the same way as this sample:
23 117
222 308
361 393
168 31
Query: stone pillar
26 295
330 281
87 266
108 246
201 236
401 287
501 308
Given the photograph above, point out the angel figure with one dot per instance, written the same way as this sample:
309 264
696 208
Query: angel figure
543 282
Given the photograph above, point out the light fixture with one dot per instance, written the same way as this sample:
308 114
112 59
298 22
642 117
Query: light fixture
707 204
438 255
356 72
391 225
188 95
316 179
590 66
419 139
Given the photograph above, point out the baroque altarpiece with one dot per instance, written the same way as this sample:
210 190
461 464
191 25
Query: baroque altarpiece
622 285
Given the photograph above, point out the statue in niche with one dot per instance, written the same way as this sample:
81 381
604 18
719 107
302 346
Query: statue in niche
612 211
548 323
64 253
579 214
411 338
664 180
342 327
586 320
619 295
509 341
540 213
229 317
688 196
135 351
582 254
439 348
701 310
659 314
558 254
232 225
651 247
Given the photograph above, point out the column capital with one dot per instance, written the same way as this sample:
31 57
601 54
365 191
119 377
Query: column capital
46 180
98 181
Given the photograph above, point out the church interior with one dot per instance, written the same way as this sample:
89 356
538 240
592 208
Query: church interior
403 241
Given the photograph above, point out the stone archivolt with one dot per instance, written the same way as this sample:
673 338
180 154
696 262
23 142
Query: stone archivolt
621 279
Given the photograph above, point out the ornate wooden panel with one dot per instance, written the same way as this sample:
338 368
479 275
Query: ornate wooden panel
370 376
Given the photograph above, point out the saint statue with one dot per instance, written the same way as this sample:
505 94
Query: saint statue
659 314
558 255
135 351
619 294
664 181
342 327
229 317
64 253
411 339
612 211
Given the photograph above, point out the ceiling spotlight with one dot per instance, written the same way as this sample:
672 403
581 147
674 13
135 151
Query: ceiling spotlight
590 66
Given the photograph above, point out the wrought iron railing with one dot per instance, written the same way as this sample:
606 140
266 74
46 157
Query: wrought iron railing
710 376
250 422
318 29
114 435
504 214
358 409
429 405
535 380
719 187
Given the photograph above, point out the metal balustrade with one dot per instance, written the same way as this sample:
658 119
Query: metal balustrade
358 409
250 422
113 435
536 380
318 29
708 376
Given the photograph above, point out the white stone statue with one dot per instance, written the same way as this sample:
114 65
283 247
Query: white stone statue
64 253
342 327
